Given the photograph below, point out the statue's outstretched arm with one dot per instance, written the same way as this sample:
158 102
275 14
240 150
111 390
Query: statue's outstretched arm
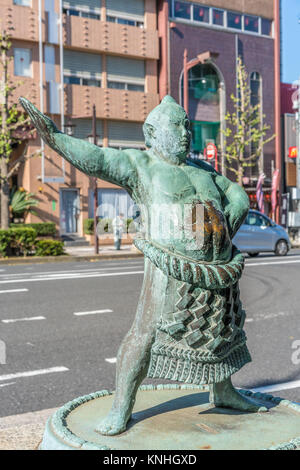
236 203
112 165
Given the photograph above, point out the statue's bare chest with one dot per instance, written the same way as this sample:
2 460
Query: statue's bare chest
180 186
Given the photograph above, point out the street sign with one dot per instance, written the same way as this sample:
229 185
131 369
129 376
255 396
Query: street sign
211 153
293 152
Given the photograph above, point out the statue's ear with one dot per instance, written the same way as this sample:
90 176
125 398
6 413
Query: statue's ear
149 132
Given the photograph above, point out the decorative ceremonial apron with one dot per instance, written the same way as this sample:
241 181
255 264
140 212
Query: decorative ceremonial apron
201 341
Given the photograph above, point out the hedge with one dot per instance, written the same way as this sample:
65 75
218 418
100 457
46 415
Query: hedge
42 229
22 241
17 241
106 225
49 248
5 241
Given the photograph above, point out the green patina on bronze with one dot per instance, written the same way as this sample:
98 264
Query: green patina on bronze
189 321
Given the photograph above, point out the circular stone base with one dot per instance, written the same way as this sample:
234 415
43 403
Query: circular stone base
174 417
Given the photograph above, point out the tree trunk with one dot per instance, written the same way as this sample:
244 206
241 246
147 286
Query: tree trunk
4 164
240 175
4 196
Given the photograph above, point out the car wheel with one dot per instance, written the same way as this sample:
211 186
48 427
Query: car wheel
281 248
253 255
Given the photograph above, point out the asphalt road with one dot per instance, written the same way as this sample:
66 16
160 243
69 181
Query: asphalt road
58 348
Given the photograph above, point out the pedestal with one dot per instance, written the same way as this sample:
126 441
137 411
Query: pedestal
175 417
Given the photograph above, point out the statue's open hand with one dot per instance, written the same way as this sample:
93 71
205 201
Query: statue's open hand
45 127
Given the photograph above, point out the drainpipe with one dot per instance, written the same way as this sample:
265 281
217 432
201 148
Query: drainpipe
278 163
163 32
185 82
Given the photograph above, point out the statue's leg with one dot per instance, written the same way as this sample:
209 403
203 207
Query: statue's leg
224 395
133 359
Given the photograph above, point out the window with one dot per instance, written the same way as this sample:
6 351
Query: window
201 14
266 27
129 12
115 19
123 134
125 74
218 17
182 10
73 80
82 68
234 20
110 203
83 14
214 17
255 87
251 23
25 3
22 62
257 220
125 86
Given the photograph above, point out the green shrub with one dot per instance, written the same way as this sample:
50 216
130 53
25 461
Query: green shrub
42 229
106 226
49 248
88 226
5 242
22 240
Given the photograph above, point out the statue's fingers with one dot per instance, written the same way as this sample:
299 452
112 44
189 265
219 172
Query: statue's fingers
43 124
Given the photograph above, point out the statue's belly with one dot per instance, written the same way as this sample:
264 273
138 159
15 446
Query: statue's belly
198 231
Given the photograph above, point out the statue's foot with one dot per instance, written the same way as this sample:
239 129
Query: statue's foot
226 396
113 424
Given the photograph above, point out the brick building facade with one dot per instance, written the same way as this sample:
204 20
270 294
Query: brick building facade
226 29
106 54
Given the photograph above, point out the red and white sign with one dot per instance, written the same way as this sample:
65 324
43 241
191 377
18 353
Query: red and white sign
211 153
293 152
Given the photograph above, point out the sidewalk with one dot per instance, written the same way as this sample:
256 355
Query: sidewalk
107 250
80 253
24 431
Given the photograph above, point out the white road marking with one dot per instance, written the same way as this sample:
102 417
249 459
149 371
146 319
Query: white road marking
86 276
277 387
93 312
11 291
14 320
73 271
32 373
265 263
269 316
6 385
111 360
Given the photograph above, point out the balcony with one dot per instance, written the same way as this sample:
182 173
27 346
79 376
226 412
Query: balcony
112 38
20 22
110 103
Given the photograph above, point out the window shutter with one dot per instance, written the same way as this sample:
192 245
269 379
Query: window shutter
125 134
129 7
91 5
84 128
126 69
82 64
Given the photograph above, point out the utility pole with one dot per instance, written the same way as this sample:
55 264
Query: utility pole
96 240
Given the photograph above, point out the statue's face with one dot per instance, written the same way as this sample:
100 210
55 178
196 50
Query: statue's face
171 135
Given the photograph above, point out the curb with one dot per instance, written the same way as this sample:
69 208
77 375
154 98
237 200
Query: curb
67 258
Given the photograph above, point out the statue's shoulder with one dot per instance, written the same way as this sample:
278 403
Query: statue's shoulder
139 157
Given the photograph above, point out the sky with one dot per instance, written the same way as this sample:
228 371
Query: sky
290 31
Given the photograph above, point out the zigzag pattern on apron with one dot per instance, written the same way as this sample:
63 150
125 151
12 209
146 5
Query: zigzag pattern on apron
205 318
